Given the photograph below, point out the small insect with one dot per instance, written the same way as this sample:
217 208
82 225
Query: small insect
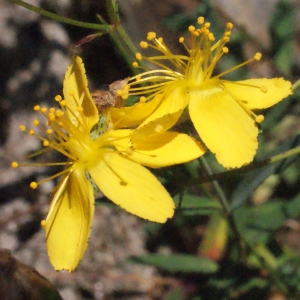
109 98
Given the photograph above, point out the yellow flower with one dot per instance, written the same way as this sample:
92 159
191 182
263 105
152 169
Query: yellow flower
221 110
108 159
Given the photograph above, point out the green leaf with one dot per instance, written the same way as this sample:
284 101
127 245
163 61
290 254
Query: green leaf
254 178
178 263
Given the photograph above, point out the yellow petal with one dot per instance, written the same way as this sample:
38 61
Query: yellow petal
166 149
155 127
76 93
69 222
259 93
225 128
132 116
132 187
174 99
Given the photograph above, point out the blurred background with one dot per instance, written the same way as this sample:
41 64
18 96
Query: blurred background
34 54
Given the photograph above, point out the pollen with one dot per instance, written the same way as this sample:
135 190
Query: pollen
14 164
138 56
229 25
33 185
58 98
36 122
46 143
151 35
200 20
63 103
259 118
258 56
144 44
43 223
191 28
143 99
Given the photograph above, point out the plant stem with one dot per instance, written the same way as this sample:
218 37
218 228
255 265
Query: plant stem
242 242
296 85
250 167
105 28
120 37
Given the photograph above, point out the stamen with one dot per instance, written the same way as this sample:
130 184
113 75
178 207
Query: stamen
14 164
33 185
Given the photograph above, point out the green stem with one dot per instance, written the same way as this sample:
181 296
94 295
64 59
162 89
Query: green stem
242 242
296 85
245 169
58 18
120 37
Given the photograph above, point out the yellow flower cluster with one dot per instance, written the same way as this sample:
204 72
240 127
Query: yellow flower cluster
222 111
111 149
110 158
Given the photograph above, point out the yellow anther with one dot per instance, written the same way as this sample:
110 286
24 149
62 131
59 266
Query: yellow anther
31 132
143 99
36 122
160 39
227 33
46 143
63 103
49 131
181 39
22 127
33 185
37 108
126 87
211 36
51 117
258 56
138 56
52 110
151 35
14 164
225 50
58 98
135 64
207 25
191 28
259 118
229 25
226 39
119 93
43 109
71 93
263 88
79 109
195 33
144 45
200 20
59 113
43 223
